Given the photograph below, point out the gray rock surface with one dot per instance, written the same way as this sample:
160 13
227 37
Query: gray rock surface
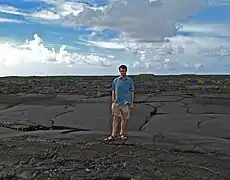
6 131
43 155
172 135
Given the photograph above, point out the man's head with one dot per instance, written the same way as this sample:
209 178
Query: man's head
123 70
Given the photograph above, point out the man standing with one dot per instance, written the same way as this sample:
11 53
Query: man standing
122 102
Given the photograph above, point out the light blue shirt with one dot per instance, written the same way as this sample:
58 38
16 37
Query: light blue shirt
123 88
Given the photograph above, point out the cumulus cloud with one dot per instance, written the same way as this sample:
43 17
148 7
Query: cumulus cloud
140 19
35 51
148 36
178 53
143 20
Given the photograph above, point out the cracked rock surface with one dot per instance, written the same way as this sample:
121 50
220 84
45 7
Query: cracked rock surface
182 134
186 115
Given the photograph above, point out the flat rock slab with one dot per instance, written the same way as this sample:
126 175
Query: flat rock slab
107 99
72 111
208 109
32 114
23 98
193 143
92 116
6 131
177 123
139 114
208 124
216 99
166 98
172 108
142 97
39 99
3 107
217 126
97 116
72 97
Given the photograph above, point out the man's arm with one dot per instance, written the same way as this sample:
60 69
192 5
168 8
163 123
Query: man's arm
132 97
113 91
132 91
113 96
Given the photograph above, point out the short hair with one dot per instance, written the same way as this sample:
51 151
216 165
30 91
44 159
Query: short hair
123 67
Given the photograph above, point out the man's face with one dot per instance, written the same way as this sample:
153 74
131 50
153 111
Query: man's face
122 72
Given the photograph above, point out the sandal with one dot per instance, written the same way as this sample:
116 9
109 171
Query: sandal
110 138
123 137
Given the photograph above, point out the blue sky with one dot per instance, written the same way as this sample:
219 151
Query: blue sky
50 37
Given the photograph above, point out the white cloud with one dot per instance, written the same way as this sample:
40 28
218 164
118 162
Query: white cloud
68 8
180 53
8 20
11 10
139 19
177 53
148 40
144 20
61 10
107 45
46 15
206 29
13 54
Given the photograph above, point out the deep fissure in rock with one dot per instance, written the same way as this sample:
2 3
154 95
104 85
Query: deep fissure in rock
147 119
44 128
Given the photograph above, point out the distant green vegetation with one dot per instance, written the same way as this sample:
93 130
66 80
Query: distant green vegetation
101 85
143 77
184 79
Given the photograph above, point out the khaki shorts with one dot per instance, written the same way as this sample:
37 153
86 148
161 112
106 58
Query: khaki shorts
121 110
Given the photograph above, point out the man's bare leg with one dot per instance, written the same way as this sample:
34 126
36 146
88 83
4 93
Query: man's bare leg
124 119
123 126
116 113
114 126
114 129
